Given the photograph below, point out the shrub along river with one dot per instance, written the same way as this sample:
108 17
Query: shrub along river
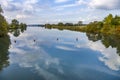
51 54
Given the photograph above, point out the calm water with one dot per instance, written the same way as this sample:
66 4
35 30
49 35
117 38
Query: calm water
44 54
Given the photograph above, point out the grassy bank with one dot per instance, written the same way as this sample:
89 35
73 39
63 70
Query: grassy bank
72 28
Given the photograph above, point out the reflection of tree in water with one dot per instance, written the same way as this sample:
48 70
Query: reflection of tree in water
23 29
113 41
94 37
16 32
107 40
4 46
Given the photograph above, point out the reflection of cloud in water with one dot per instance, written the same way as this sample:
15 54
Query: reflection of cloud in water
65 48
47 75
33 56
85 69
110 56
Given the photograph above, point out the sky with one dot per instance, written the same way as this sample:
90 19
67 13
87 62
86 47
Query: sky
54 11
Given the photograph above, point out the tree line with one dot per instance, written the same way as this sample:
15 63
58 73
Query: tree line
61 24
5 26
68 26
110 25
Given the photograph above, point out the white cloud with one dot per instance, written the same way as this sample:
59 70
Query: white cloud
32 10
105 4
30 5
19 16
81 2
76 3
25 6
64 6
97 4
60 1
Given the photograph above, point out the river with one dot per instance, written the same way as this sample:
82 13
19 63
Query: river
51 54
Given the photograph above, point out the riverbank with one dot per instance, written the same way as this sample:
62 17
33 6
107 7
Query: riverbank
72 28
115 30
110 25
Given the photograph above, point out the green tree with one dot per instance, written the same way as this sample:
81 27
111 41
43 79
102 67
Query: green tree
1 11
108 19
3 24
49 26
60 24
116 20
15 24
68 24
80 23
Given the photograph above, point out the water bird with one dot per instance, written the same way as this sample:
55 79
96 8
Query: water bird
57 39
15 41
34 40
76 39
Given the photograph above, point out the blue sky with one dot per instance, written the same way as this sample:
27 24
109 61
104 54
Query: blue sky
54 11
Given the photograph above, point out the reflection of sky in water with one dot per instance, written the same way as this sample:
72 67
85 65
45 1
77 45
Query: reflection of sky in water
65 58
109 55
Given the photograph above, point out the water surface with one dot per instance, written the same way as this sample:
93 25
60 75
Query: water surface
44 54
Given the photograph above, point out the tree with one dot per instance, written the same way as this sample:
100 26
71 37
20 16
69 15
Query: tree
116 20
80 23
3 24
108 19
1 11
15 24
48 26
68 24
60 24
